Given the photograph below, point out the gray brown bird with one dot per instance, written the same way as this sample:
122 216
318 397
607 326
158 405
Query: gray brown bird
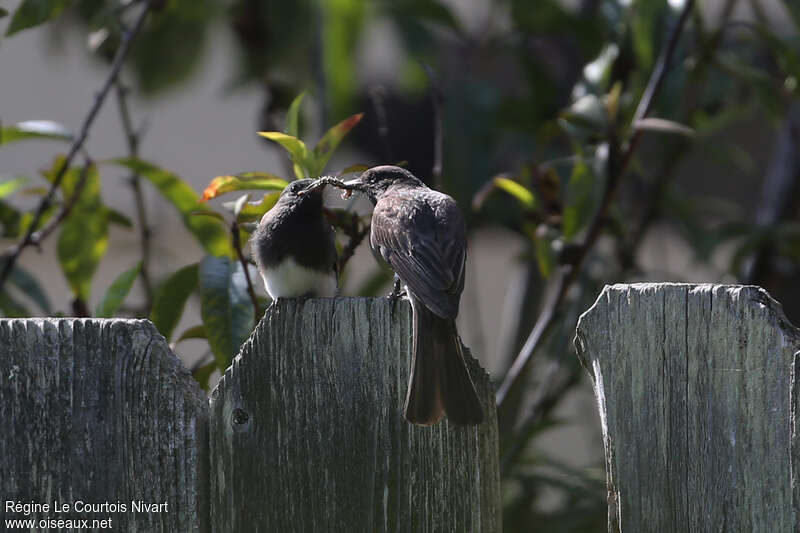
421 234
294 245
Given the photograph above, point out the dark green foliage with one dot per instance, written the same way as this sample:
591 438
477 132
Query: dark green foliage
171 297
224 306
117 293
538 100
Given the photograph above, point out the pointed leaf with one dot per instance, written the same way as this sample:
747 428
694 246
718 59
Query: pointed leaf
84 234
29 285
3 13
663 126
170 299
211 235
194 332
293 116
204 373
35 129
327 145
244 181
11 308
253 211
353 168
120 219
302 158
207 213
11 186
117 292
225 306
31 13
523 195
579 199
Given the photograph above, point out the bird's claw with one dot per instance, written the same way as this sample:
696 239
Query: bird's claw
397 292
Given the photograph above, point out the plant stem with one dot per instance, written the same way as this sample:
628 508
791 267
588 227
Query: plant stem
132 138
237 245
14 252
617 165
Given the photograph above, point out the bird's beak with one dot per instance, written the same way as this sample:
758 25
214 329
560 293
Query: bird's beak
316 186
352 185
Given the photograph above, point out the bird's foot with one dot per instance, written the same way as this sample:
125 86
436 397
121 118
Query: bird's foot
397 292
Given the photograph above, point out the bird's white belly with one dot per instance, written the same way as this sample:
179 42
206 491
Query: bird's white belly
290 280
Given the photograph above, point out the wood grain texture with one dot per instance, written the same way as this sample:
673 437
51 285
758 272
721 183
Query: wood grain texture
101 411
697 392
307 432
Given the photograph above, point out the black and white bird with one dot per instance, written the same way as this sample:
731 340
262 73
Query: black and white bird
421 234
294 245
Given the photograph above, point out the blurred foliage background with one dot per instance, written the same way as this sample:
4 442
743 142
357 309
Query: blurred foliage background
583 126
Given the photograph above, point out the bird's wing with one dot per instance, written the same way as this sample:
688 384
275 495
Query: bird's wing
426 252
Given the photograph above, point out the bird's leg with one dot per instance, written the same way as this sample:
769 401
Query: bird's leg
397 291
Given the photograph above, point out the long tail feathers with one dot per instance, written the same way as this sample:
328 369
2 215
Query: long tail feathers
439 381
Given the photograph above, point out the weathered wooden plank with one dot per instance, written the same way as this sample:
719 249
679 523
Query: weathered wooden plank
96 411
697 394
307 432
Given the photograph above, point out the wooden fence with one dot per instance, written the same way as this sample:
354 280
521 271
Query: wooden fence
303 433
697 391
696 386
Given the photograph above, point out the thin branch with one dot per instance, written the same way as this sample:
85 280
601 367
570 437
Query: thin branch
132 138
377 96
437 96
348 251
14 252
617 165
237 245
39 235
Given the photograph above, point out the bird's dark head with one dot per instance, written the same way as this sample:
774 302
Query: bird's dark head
376 180
303 192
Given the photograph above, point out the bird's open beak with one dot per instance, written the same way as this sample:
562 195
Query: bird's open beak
352 185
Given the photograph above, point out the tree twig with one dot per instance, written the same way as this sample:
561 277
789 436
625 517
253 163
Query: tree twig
617 165
77 145
237 245
437 96
132 138
377 96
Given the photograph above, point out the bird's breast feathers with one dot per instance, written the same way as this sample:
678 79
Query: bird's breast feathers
288 279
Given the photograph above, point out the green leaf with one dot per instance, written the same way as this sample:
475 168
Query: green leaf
117 292
579 199
225 307
661 125
211 235
170 299
293 116
302 158
3 13
203 374
12 308
428 10
194 332
11 186
34 129
31 13
327 145
244 181
115 217
543 247
253 211
170 47
28 284
208 213
523 195
84 234
358 167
